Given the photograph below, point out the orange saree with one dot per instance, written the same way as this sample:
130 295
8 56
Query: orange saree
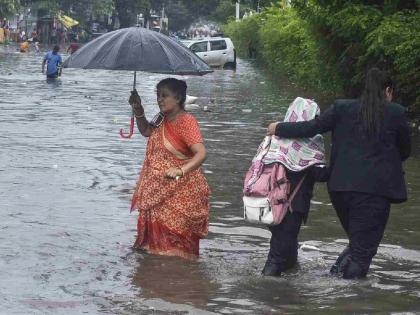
173 214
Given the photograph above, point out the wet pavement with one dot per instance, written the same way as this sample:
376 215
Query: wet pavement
66 178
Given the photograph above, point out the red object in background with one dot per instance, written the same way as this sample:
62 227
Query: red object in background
73 47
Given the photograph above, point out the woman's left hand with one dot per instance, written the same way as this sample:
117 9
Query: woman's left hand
173 173
271 130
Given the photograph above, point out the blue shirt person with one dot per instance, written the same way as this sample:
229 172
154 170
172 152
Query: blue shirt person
53 60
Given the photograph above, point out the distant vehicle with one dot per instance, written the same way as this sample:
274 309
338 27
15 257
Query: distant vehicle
215 51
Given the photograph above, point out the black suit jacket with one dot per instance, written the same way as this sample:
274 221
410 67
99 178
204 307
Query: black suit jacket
360 163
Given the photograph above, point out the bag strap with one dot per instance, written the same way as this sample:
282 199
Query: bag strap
292 196
265 147
257 160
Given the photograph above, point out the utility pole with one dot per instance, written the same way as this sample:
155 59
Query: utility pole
237 10
27 12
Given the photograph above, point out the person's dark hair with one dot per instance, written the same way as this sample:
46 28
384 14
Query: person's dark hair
373 100
56 49
177 87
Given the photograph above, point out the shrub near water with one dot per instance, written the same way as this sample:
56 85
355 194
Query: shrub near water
396 42
290 47
283 41
330 45
362 36
245 35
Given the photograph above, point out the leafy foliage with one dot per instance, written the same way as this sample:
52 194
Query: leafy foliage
181 13
178 14
224 11
330 44
353 22
284 41
395 43
245 34
8 7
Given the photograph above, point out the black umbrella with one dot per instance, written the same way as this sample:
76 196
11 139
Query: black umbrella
137 49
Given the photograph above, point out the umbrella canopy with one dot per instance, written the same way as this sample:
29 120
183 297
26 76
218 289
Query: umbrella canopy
137 49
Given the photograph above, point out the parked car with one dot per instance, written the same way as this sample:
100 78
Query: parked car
215 51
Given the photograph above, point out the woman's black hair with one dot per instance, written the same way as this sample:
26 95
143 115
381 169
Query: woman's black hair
373 100
177 87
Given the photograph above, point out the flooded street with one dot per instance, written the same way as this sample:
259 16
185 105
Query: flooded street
66 179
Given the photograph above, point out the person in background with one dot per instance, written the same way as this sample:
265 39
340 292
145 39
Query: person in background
36 45
6 34
2 35
74 45
53 60
22 36
54 36
370 140
24 47
34 35
172 194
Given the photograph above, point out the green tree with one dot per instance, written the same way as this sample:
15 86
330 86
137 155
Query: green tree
227 9
127 11
8 8
224 11
201 8
83 11
178 15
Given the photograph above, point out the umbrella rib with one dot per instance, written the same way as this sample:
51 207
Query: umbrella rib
121 49
164 49
104 57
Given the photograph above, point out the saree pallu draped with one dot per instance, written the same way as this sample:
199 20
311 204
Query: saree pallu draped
173 214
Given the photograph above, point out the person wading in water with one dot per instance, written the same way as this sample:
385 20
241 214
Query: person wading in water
370 139
172 194
53 60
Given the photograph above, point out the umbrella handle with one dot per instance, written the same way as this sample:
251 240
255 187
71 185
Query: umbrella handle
130 134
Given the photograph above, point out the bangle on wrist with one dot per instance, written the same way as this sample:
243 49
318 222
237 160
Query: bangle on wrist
139 116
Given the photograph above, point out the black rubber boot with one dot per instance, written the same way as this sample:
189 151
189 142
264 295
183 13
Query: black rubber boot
352 270
271 269
341 261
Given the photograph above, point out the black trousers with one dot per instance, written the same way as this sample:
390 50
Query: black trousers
284 243
363 217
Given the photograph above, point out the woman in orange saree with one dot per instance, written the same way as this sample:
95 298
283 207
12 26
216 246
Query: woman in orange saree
172 194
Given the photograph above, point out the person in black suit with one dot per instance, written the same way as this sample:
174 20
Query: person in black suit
370 139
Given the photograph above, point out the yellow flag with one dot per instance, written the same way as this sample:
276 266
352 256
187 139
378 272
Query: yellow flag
67 21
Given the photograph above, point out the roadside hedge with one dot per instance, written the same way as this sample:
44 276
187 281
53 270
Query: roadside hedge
396 43
330 48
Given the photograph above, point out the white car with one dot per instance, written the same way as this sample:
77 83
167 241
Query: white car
215 51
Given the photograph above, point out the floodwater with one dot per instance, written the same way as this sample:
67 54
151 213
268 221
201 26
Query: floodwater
66 178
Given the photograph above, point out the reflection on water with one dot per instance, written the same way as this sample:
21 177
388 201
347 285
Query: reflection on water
65 184
173 280
53 83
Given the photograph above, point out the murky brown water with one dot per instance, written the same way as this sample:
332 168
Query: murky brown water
66 179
